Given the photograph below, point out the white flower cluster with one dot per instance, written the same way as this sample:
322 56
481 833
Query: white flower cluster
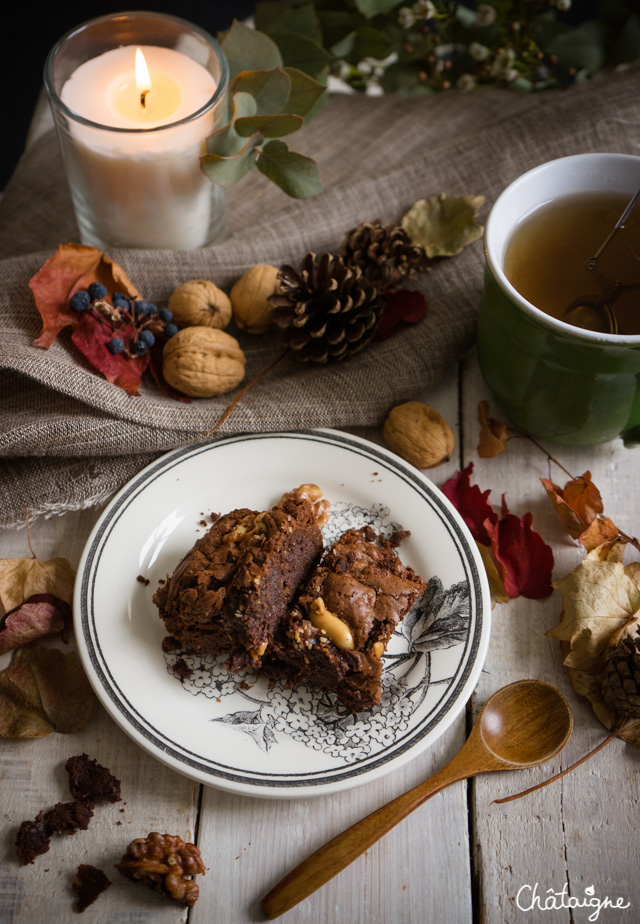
408 16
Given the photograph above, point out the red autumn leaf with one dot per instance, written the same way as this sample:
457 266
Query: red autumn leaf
471 503
524 560
40 615
400 305
72 267
493 433
577 504
91 337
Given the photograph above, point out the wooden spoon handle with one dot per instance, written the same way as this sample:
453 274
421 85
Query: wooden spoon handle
338 853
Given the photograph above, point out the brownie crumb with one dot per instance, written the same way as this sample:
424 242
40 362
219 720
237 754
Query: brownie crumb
161 581
143 579
89 883
203 523
69 817
170 644
32 839
165 863
90 781
397 537
181 669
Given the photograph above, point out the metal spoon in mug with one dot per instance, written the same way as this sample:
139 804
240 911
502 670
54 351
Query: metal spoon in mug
590 313
522 725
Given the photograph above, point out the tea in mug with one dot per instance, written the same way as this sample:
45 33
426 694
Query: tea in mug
546 257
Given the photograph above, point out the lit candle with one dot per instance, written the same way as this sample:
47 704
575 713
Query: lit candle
135 170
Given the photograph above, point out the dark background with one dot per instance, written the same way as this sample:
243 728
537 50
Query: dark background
23 60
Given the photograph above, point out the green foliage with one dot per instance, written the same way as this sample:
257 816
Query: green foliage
279 70
271 98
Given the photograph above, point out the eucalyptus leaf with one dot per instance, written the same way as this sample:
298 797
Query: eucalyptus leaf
370 43
443 224
247 49
301 52
226 171
225 141
279 17
306 92
269 126
372 8
627 46
270 89
294 173
338 30
581 47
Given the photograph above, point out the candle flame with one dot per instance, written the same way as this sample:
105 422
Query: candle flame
143 81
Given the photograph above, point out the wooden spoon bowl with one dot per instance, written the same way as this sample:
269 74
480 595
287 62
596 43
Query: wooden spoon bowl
522 725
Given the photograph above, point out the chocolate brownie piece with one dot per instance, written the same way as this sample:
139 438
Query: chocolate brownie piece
33 839
340 626
88 884
69 817
90 781
230 593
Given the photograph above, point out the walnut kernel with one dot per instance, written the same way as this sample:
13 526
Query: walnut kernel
202 362
252 310
419 434
200 303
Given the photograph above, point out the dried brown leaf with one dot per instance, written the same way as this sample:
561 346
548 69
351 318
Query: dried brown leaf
602 540
21 578
66 694
493 433
41 690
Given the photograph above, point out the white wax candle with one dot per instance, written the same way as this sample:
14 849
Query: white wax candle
141 188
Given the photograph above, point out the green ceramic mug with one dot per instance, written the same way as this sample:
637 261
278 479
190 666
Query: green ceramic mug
556 381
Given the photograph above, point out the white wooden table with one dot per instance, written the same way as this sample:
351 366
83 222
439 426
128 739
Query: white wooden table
458 860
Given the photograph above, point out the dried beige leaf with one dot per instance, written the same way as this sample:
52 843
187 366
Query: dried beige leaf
599 598
21 578
443 224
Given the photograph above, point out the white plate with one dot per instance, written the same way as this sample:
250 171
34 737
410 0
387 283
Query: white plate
241 735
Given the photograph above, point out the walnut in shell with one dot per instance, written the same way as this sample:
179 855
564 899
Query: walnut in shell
419 434
252 310
200 303
202 362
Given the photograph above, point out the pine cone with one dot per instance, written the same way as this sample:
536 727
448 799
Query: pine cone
327 310
621 674
385 254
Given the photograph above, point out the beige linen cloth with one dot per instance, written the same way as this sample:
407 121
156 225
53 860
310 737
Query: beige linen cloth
69 439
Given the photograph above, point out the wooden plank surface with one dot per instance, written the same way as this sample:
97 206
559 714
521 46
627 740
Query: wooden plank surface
420 871
577 833
580 832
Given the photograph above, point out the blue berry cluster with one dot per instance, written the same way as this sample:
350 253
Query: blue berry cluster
144 316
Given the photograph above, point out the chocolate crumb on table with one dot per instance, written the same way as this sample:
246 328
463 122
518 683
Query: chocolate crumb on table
164 863
88 884
69 817
90 781
32 839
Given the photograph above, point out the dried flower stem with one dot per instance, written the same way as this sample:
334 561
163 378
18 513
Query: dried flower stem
244 390
525 792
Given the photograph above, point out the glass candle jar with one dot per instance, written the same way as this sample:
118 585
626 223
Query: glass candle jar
132 134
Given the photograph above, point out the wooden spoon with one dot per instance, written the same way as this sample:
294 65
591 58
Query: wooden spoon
522 725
